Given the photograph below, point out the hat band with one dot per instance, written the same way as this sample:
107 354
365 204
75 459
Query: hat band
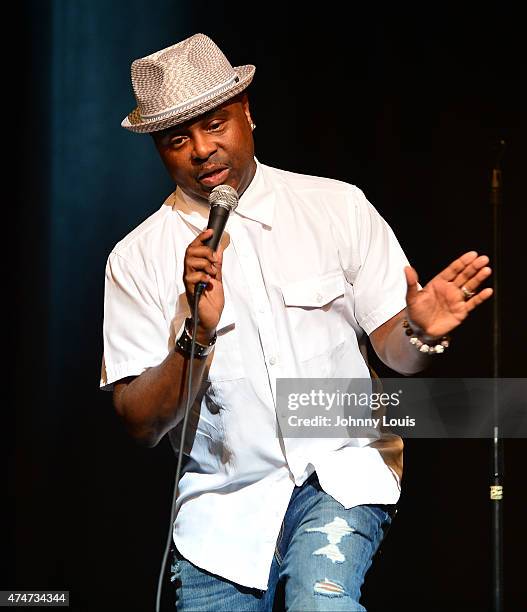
196 100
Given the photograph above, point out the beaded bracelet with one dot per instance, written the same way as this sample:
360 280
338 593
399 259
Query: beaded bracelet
437 346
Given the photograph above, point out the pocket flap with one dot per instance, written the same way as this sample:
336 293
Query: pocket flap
315 291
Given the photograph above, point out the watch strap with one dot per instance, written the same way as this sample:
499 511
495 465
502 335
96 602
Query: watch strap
184 342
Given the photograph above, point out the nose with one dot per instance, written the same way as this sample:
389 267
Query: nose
203 146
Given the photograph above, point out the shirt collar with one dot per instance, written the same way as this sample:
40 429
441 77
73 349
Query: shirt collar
256 202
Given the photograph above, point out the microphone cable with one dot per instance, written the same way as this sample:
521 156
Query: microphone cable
169 539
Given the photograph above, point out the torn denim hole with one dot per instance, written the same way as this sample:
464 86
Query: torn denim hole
335 531
329 588
174 571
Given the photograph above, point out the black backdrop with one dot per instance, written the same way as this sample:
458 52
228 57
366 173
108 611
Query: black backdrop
409 105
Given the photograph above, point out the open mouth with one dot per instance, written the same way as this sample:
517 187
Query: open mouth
214 177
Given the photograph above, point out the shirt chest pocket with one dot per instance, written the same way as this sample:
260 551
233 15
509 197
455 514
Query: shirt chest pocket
315 313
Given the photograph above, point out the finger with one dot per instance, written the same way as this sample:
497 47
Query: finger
476 280
200 251
471 270
218 255
192 279
457 266
200 238
203 265
219 262
411 281
478 299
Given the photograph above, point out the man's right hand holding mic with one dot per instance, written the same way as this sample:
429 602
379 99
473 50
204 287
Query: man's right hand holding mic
202 264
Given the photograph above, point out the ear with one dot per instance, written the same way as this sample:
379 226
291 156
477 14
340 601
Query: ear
246 109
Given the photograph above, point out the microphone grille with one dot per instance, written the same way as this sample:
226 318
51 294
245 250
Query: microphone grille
224 195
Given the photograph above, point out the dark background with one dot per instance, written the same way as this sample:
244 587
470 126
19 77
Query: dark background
407 104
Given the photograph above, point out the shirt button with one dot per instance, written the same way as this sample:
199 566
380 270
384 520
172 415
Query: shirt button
272 361
319 297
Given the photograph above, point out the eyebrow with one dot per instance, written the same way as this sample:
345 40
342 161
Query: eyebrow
179 130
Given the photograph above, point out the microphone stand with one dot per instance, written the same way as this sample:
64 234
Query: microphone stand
496 487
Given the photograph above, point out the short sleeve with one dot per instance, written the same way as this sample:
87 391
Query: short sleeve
135 332
380 284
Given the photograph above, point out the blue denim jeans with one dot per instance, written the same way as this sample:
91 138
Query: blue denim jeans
322 555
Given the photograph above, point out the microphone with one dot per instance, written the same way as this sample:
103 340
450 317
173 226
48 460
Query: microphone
223 199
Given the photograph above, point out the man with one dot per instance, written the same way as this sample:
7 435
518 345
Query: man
306 271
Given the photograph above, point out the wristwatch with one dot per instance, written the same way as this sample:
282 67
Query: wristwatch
184 342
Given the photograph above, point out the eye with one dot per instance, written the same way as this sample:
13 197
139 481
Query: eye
177 141
215 125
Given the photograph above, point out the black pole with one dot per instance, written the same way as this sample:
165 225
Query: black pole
496 486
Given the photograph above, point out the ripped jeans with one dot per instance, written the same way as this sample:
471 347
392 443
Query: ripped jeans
322 555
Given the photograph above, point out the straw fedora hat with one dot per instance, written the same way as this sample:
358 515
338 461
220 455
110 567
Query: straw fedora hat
181 82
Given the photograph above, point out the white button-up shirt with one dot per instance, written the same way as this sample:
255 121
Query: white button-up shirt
309 270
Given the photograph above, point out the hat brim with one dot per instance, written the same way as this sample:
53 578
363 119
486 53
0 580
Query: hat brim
135 123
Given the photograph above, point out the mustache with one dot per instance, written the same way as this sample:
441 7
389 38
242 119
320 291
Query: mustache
210 168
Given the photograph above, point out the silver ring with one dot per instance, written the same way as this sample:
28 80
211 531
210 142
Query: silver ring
467 294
